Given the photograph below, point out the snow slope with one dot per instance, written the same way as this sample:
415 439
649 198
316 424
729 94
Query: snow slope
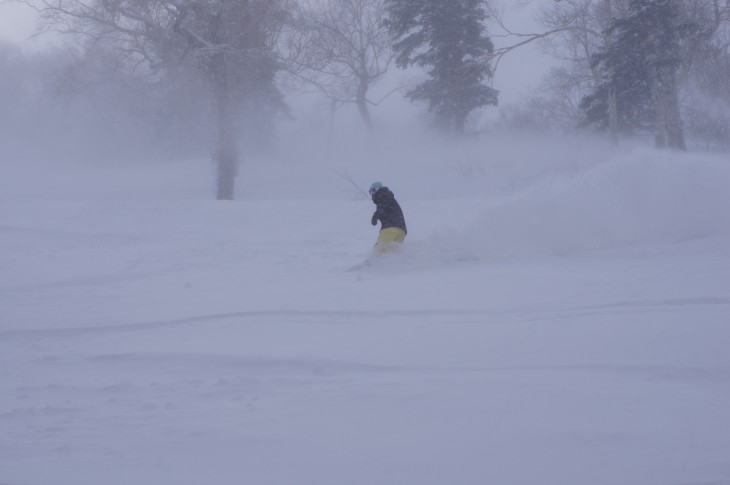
562 321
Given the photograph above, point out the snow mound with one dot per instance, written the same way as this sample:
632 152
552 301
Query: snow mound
642 197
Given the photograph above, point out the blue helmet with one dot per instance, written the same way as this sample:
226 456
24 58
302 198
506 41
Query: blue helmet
374 187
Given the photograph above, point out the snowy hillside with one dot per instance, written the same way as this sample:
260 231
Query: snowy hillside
555 317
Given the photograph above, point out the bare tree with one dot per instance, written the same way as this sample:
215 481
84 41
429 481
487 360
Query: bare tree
221 39
514 39
343 49
583 25
565 34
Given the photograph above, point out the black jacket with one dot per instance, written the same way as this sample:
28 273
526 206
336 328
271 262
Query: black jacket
388 211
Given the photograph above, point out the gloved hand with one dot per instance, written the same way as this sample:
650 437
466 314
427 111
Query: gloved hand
374 220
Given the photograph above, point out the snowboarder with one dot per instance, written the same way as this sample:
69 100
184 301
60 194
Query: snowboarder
392 223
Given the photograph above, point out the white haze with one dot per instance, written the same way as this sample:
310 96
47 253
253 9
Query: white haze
558 314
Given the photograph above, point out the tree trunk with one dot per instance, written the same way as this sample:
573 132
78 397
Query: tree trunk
226 156
331 127
459 124
668 122
665 89
675 130
612 100
613 114
362 105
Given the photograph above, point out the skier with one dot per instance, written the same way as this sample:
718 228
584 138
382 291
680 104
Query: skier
393 224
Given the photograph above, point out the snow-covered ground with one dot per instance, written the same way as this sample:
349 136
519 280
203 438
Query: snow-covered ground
562 322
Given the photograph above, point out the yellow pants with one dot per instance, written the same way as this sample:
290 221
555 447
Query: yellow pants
388 237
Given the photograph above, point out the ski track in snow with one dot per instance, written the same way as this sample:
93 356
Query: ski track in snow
346 317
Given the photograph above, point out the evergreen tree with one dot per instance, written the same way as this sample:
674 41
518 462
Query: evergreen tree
640 65
449 39
625 73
